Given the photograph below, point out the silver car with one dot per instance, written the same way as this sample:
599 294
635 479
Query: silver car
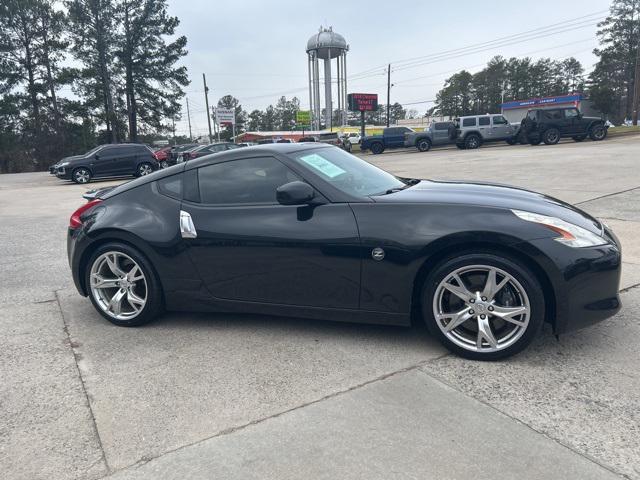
474 130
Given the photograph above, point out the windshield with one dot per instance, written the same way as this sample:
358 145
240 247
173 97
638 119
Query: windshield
347 173
93 150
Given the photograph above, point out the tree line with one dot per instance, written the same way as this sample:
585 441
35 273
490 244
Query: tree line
78 73
610 85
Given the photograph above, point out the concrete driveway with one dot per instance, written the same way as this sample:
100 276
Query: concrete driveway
238 396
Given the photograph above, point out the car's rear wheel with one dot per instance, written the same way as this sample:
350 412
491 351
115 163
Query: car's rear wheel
377 148
472 141
123 286
598 132
424 145
483 306
579 138
81 175
551 136
164 164
144 169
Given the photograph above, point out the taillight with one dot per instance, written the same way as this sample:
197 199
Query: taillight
75 221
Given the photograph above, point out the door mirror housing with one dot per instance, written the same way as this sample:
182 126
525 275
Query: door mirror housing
295 193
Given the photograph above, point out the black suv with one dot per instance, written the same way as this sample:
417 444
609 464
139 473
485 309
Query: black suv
112 160
549 125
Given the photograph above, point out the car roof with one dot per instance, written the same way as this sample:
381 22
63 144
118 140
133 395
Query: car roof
257 150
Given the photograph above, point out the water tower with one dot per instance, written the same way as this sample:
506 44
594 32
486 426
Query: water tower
327 45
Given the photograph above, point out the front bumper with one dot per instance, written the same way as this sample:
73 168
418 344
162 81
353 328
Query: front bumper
63 173
586 282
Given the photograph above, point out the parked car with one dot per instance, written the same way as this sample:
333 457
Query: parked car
308 139
392 137
550 125
438 133
113 160
203 150
475 130
162 155
246 144
354 138
176 150
309 230
266 141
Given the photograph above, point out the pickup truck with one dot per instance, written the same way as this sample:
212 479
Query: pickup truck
392 137
438 133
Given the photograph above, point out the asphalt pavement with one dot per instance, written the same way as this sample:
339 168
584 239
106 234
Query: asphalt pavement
238 396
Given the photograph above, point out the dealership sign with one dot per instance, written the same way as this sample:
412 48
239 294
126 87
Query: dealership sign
303 117
362 102
226 116
540 102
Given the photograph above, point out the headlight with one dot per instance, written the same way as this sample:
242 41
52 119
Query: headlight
570 234
63 164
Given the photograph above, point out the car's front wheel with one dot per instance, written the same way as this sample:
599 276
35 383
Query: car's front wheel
164 164
81 175
483 306
123 286
424 145
598 132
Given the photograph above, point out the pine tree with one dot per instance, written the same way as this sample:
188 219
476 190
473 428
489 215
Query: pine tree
153 82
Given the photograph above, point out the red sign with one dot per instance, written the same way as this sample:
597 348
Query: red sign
362 102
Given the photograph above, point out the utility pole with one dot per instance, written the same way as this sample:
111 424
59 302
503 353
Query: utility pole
206 102
388 91
189 119
636 86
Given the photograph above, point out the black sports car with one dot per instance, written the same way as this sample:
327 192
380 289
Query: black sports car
312 231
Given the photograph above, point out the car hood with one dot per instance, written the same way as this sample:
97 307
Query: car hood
491 195
72 158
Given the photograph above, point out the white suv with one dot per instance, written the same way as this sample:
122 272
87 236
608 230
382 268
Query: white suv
474 130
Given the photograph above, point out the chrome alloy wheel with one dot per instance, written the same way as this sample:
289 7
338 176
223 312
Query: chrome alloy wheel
145 169
82 175
481 308
118 285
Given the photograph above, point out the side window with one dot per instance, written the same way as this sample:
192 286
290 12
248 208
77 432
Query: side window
171 186
107 152
469 122
500 120
442 126
571 113
552 114
484 120
247 181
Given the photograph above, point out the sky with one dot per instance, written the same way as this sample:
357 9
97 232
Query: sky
255 50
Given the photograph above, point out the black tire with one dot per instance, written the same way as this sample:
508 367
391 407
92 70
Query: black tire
514 268
551 136
511 141
154 301
598 132
164 164
144 168
579 138
377 148
81 175
472 141
535 141
424 145
461 146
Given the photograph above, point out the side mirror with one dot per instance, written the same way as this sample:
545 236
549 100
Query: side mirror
295 193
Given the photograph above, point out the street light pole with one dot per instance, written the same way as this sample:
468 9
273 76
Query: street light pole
206 102
388 91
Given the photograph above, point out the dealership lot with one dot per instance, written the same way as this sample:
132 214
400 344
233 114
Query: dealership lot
236 396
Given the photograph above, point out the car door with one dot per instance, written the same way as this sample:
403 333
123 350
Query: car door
103 162
484 126
249 248
572 121
500 128
394 137
440 133
124 163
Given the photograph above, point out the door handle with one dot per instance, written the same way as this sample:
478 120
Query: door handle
187 228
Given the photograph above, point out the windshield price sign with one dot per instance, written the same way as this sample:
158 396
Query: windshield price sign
362 102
